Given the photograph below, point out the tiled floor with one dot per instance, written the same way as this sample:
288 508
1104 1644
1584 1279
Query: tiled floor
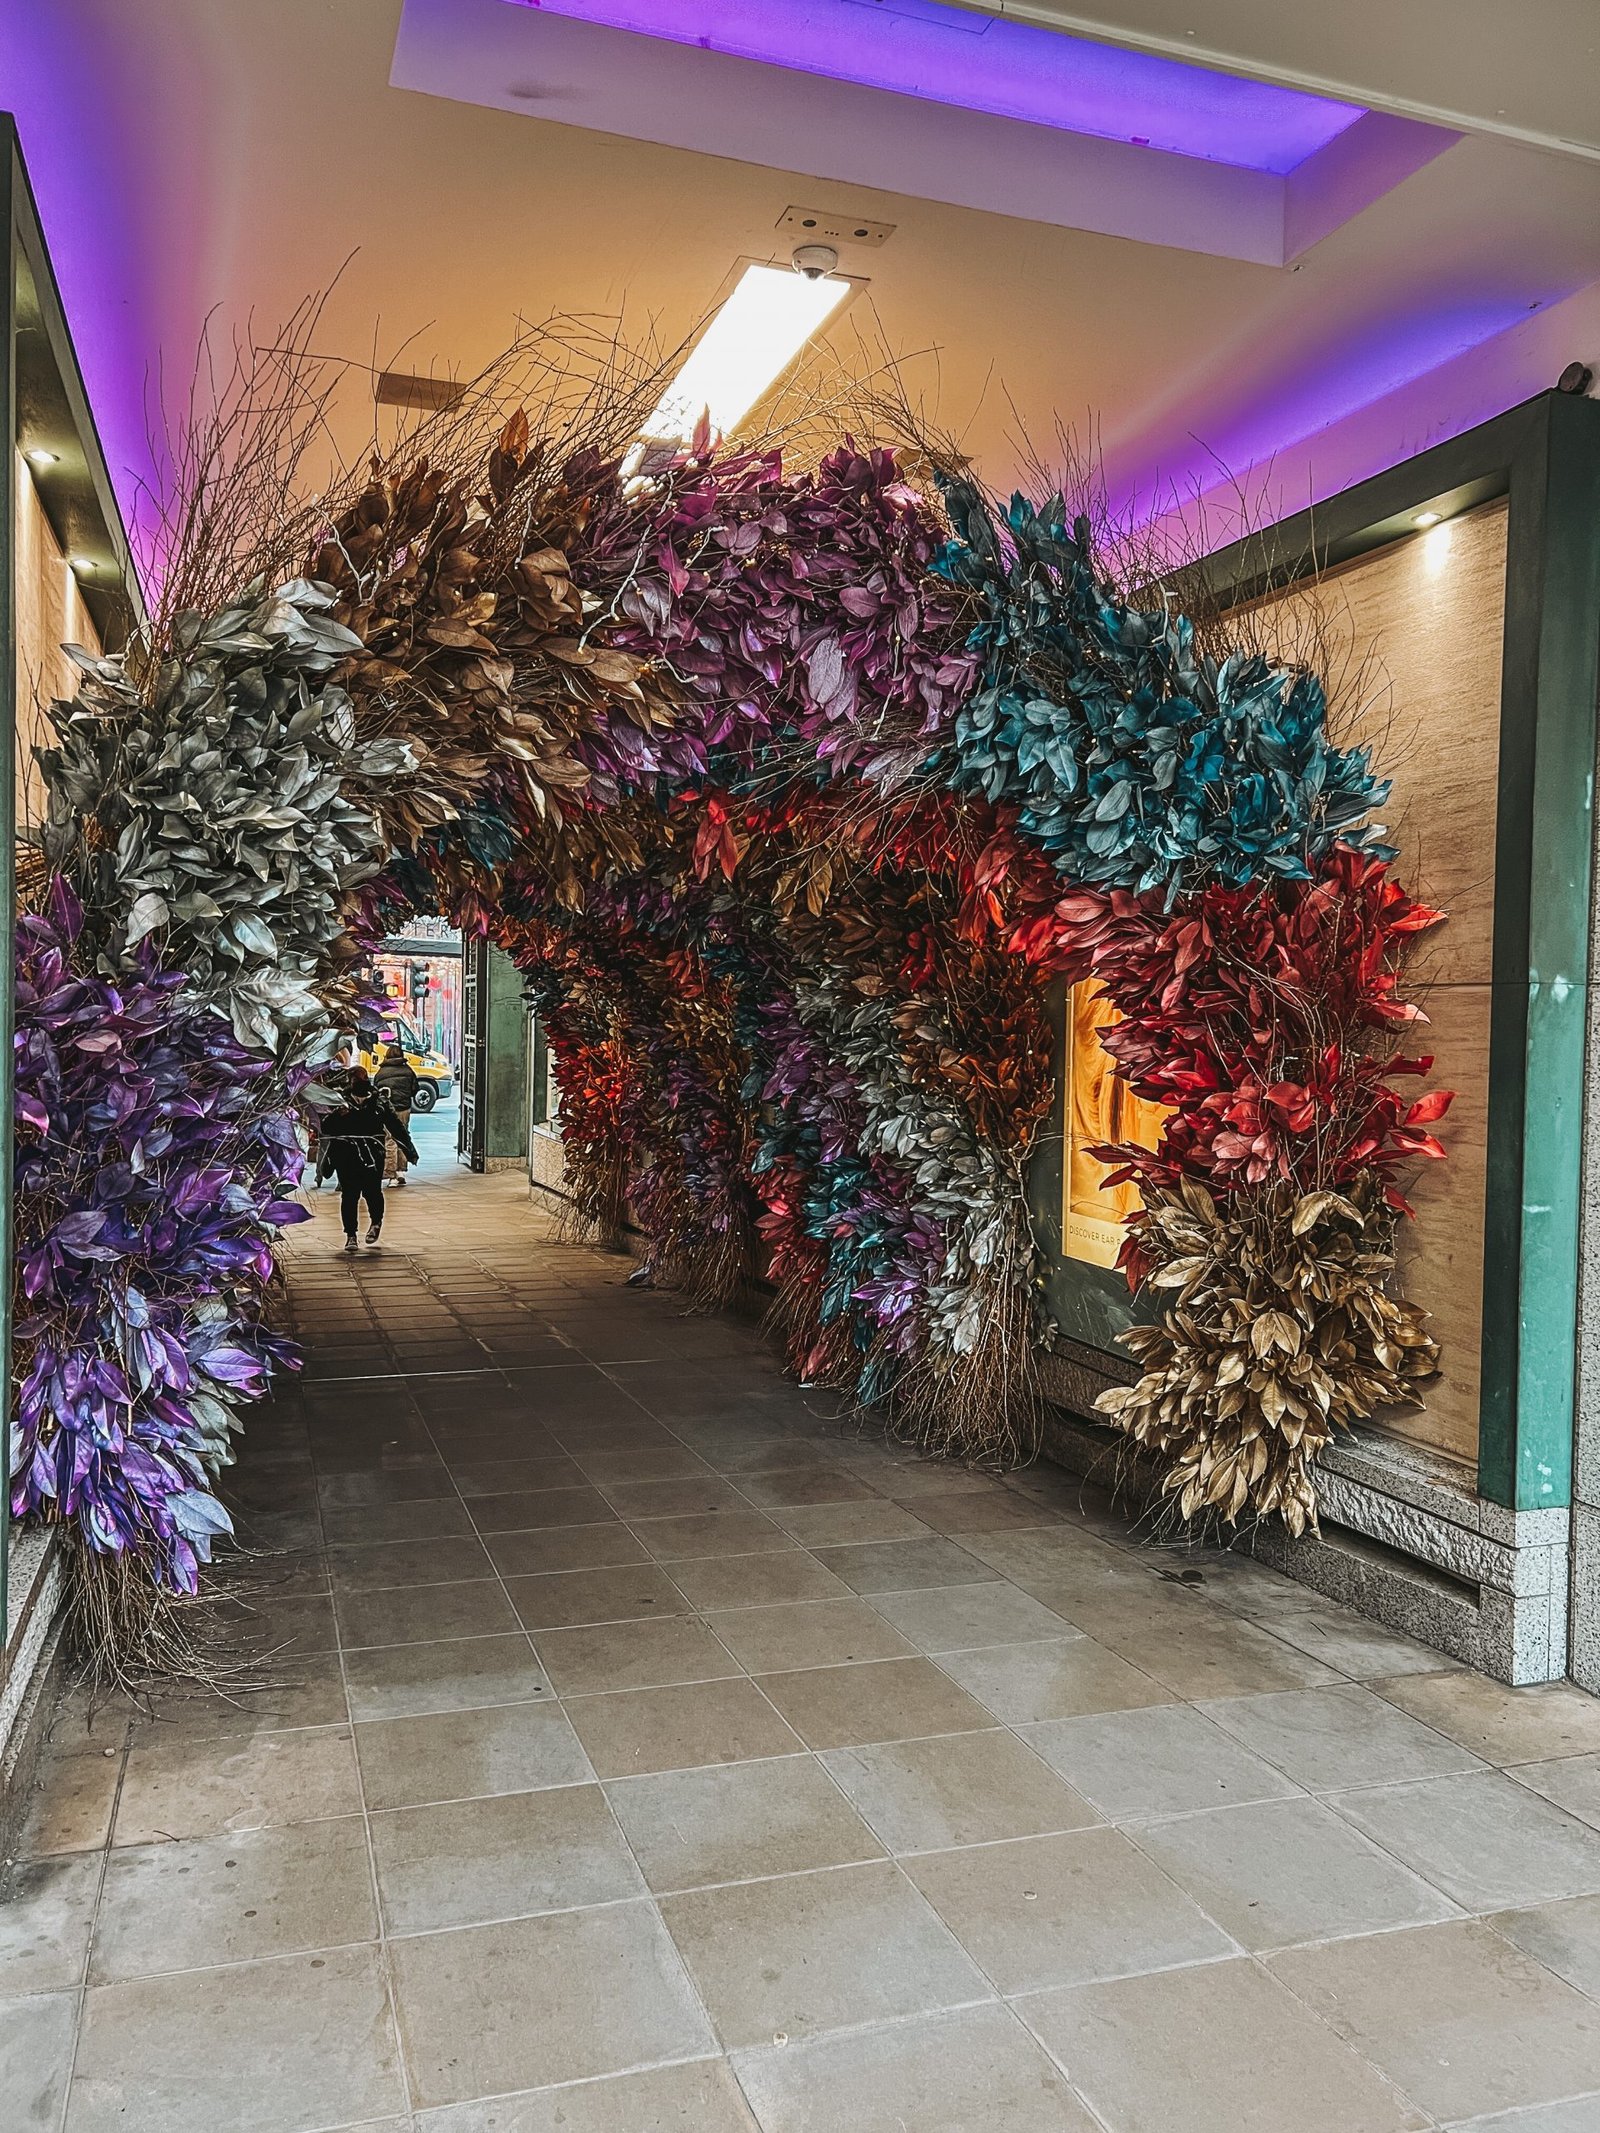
652 1752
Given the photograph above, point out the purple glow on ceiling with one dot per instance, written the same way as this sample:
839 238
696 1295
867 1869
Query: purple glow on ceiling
950 55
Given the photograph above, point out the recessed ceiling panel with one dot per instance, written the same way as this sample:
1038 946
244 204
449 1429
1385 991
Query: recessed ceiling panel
950 55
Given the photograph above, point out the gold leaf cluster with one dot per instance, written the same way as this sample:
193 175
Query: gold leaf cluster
1277 1332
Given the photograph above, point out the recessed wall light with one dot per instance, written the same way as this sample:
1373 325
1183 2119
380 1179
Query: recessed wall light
37 456
84 564
1427 518
747 347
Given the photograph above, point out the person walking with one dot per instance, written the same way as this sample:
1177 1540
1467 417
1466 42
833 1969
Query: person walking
351 1143
396 1085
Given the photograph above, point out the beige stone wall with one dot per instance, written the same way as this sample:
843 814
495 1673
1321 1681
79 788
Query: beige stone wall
1415 634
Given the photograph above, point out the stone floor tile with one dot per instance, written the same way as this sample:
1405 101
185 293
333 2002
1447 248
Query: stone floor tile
277 1626
1565 1937
514 1747
1571 1781
807 1953
1365 1650
640 1500
36 2039
627 1430
739 1822
1502 1725
1060 1555
906 1474
1217 2048
960 1788
712 1533
977 2067
1234 1579
670 1462
953 1618
1580 2114
768 1640
569 1996
1203 1653
238 1898
635 1731
1062 1910
400 1564
826 1525
407 1680
296 1576
790 1487
254 2048
558 1548
1488 1843
482 1441
905 1566
470 1862
418 1481
172 1791
698 2096
1326 1739
428 1614
573 1599
440 1518
1461 2021
1283 1871
1021 1683
46 1910
733 1581
884 1699
502 1477
633 1655
73 1799
533 1510
964 1511
310 1692
1166 1759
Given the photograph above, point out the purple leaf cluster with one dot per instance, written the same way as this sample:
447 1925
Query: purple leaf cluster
804 612
154 1167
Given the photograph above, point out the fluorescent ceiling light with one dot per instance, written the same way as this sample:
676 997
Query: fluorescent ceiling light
747 347
995 63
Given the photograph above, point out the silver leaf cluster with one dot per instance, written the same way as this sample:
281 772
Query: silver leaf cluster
221 804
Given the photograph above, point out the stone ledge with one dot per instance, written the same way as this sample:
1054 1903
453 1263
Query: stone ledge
34 1587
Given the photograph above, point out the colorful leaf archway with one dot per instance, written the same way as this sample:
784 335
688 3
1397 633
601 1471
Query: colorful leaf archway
791 794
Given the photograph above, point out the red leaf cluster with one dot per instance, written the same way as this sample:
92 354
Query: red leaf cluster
1264 1018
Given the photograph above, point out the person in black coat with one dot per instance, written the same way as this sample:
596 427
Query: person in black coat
350 1142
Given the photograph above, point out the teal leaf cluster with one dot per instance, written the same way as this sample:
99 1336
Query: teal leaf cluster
1134 758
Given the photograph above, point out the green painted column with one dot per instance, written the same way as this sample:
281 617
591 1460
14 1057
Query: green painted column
506 1081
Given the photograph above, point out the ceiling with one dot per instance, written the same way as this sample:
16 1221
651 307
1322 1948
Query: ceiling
1524 69
197 154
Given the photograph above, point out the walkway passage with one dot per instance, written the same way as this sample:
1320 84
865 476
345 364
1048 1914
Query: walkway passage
660 1754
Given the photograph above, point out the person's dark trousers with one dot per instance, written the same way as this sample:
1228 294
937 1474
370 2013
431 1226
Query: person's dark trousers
356 1186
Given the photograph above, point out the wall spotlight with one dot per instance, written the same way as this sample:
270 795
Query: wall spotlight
37 456
1427 518
84 565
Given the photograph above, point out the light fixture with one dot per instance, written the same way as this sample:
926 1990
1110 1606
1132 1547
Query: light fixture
84 565
1427 518
747 347
37 456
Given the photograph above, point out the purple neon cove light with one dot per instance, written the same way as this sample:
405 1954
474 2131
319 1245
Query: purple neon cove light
951 55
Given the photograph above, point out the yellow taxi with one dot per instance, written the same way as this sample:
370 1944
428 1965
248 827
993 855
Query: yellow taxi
432 1069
